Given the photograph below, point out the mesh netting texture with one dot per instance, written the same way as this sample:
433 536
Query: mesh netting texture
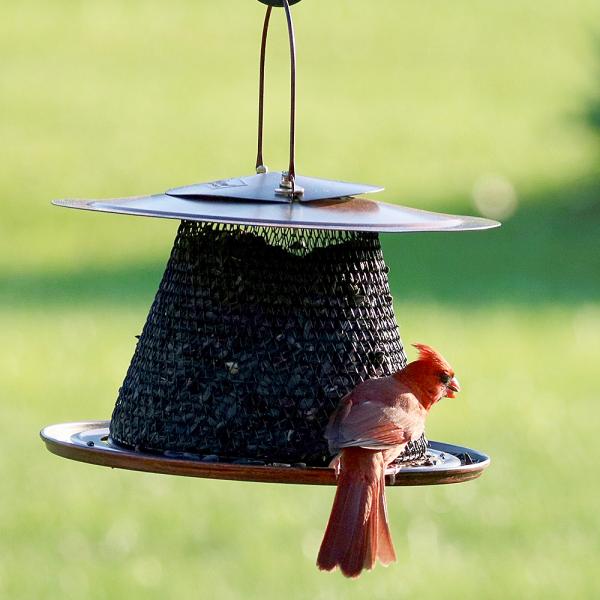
254 336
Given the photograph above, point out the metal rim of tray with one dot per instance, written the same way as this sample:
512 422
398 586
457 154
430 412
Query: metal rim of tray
88 442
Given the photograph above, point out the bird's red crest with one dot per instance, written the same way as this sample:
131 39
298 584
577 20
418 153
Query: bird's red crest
428 354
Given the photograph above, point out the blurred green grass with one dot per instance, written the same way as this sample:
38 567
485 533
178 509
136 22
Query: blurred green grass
528 528
120 98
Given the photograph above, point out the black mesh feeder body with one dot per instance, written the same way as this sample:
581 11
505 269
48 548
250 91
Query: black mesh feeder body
274 304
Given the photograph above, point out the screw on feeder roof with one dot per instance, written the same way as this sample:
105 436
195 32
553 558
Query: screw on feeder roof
274 304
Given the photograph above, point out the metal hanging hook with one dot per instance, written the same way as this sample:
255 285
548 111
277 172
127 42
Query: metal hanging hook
288 185
278 2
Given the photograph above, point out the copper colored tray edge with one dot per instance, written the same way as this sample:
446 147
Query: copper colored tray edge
138 461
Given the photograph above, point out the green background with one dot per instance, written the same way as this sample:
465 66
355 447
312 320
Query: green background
474 107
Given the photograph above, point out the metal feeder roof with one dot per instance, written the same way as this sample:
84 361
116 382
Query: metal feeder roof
349 213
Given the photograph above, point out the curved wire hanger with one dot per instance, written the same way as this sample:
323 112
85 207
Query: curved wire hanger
288 185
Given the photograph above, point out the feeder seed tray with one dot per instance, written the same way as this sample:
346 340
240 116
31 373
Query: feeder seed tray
89 442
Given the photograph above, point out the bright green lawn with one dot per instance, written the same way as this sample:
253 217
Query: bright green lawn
125 97
527 529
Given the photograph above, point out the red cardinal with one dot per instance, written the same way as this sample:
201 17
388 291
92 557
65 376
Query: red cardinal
370 429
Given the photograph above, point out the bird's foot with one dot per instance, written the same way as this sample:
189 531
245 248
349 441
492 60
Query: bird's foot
392 476
335 464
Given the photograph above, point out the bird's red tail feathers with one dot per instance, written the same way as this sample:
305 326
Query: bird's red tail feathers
357 532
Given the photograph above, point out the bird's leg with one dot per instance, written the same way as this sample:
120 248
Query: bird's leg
389 456
335 464
393 478
396 469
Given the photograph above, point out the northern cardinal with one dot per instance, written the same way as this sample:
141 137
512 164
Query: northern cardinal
370 429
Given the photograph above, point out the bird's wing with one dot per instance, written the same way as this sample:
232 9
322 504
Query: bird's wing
333 430
376 426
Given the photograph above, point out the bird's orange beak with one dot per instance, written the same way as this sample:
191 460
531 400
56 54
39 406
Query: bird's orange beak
453 388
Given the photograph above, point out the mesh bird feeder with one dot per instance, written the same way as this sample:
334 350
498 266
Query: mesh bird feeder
274 304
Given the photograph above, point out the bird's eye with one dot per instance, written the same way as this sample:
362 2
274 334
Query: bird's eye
445 378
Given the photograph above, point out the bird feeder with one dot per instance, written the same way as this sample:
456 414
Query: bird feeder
274 304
